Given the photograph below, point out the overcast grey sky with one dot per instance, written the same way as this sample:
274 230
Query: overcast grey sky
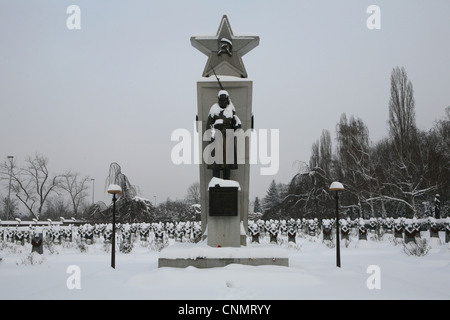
116 89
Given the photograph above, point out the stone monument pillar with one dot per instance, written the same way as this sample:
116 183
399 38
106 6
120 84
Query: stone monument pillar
224 73
225 123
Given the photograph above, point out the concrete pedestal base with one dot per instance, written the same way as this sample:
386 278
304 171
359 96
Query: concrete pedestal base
202 256
221 262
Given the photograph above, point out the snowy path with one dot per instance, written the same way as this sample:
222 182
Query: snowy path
312 274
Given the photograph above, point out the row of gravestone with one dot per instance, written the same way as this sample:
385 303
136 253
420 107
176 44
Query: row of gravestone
88 233
409 229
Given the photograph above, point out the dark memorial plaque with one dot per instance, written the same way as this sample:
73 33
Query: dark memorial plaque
223 201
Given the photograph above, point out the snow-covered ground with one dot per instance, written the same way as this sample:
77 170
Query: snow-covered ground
312 274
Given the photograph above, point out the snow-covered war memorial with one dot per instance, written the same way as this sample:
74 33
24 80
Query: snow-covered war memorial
226 255
224 95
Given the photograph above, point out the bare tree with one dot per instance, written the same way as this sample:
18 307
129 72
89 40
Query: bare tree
32 183
76 186
193 193
409 162
129 207
56 207
439 147
12 206
307 192
116 176
355 161
402 119
326 153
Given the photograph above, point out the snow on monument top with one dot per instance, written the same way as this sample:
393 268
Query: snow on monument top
223 183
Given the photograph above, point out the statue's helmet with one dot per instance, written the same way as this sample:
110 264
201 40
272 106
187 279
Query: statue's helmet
224 98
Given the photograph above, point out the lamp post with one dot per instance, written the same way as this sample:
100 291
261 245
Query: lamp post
155 200
93 184
9 190
337 186
114 189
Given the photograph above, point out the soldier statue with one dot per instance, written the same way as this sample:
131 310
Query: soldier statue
222 118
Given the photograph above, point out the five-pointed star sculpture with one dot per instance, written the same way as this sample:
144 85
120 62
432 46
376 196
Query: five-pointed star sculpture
225 50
